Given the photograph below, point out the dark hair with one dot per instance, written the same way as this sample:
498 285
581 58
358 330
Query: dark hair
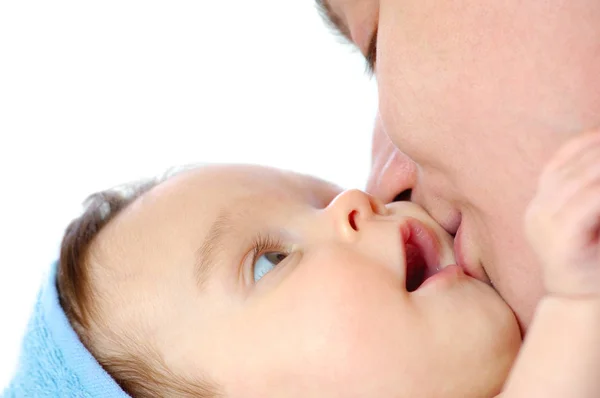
139 371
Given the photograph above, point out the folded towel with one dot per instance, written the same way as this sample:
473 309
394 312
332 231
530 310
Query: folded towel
53 362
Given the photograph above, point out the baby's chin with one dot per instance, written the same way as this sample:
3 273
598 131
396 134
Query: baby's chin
479 377
491 374
477 331
502 338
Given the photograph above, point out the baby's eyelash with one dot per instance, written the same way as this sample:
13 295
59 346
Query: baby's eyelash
266 243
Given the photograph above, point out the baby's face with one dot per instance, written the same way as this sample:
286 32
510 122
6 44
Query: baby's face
277 285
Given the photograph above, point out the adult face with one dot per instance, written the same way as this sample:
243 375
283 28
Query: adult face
477 95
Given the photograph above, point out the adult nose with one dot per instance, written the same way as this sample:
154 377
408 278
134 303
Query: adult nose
393 174
350 210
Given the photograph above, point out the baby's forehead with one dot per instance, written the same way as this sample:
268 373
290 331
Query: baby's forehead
183 207
157 240
232 181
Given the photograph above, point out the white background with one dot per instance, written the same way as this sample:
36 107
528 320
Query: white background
96 94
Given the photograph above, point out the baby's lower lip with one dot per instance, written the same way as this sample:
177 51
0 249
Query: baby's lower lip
449 271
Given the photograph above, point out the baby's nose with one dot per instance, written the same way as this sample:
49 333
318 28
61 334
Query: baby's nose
351 209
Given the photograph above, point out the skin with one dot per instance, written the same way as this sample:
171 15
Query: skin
475 97
561 355
333 319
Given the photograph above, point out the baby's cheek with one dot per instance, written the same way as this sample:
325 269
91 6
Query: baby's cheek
334 322
313 341
352 311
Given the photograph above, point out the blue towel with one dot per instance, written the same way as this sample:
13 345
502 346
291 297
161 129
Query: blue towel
53 362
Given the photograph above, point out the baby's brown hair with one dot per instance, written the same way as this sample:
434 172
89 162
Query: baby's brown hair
138 369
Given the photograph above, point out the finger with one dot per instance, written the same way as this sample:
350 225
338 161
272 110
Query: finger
559 186
585 216
579 221
572 149
586 159
571 220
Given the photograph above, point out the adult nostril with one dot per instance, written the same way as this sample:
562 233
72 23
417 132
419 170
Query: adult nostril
352 219
404 196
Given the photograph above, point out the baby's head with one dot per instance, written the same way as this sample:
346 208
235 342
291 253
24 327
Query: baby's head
245 281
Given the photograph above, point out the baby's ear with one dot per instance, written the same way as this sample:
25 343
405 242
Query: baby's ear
73 280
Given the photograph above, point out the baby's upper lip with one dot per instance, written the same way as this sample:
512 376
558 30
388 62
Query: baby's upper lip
418 234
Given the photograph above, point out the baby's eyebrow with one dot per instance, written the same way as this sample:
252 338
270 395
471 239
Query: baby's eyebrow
213 242
333 19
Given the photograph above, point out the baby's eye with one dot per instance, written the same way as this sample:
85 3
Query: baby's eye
266 262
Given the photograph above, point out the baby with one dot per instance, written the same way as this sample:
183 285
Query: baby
245 281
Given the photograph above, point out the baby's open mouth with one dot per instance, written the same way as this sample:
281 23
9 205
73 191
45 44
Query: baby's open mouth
422 253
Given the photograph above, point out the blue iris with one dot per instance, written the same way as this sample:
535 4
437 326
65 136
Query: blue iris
266 262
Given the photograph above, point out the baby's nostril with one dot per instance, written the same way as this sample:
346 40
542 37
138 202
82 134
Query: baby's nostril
352 219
